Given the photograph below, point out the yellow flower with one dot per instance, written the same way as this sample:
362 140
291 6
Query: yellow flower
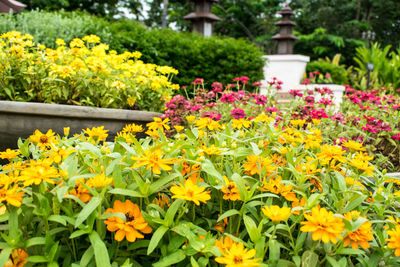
66 131
12 196
178 128
211 150
190 119
135 225
9 154
132 128
44 141
254 164
263 118
152 160
97 133
331 153
80 191
394 240
354 145
299 123
158 124
60 42
208 123
225 243
59 155
190 192
241 123
238 256
359 237
323 224
99 181
230 190
93 39
38 171
360 162
276 213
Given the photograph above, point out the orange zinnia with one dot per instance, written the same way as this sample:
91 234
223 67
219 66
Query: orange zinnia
135 225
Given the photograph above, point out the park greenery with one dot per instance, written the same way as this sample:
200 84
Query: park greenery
226 176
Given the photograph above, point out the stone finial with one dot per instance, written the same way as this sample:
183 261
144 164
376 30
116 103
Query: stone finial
202 19
285 38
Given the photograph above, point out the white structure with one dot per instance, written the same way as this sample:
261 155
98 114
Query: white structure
337 90
290 69
287 68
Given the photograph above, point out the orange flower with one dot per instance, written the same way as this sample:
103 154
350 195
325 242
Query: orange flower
394 240
361 236
225 243
17 258
230 190
254 164
323 224
81 191
161 201
135 225
192 171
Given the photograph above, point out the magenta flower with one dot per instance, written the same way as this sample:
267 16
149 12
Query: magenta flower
238 113
261 100
198 81
227 98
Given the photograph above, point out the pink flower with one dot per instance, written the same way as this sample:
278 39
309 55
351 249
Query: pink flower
271 109
309 99
227 98
238 113
211 115
198 81
319 114
261 100
257 84
325 101
306 81
217 86
296 93
396 137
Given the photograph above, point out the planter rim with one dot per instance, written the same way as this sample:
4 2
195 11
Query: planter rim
71 111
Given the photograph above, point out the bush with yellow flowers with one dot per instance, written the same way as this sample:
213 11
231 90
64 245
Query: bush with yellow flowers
252 191
82 73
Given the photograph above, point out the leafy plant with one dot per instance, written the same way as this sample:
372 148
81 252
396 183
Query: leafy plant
326 65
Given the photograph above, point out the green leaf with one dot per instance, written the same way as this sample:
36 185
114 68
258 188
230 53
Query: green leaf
193 262
157 186
125 192
354 203
100 250
274 251
77 234
239 181
87 210
228 214
37 259
155 239
5 255
169 216
34 241
58 218
251 228
87 256
171 259
309 259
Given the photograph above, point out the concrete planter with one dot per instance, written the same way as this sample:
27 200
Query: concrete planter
337 90
21 119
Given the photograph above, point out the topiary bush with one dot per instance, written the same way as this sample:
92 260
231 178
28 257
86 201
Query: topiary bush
214 59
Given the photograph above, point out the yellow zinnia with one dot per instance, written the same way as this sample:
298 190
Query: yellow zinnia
238 256
394 240
190 192
323 224
152 160
276 213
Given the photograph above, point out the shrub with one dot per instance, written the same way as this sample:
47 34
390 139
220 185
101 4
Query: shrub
214 59
338 72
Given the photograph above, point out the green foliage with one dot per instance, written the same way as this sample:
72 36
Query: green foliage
338 72
386 71
325 44
46 27
214 59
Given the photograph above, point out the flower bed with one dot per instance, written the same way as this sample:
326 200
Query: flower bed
232 181
83 73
